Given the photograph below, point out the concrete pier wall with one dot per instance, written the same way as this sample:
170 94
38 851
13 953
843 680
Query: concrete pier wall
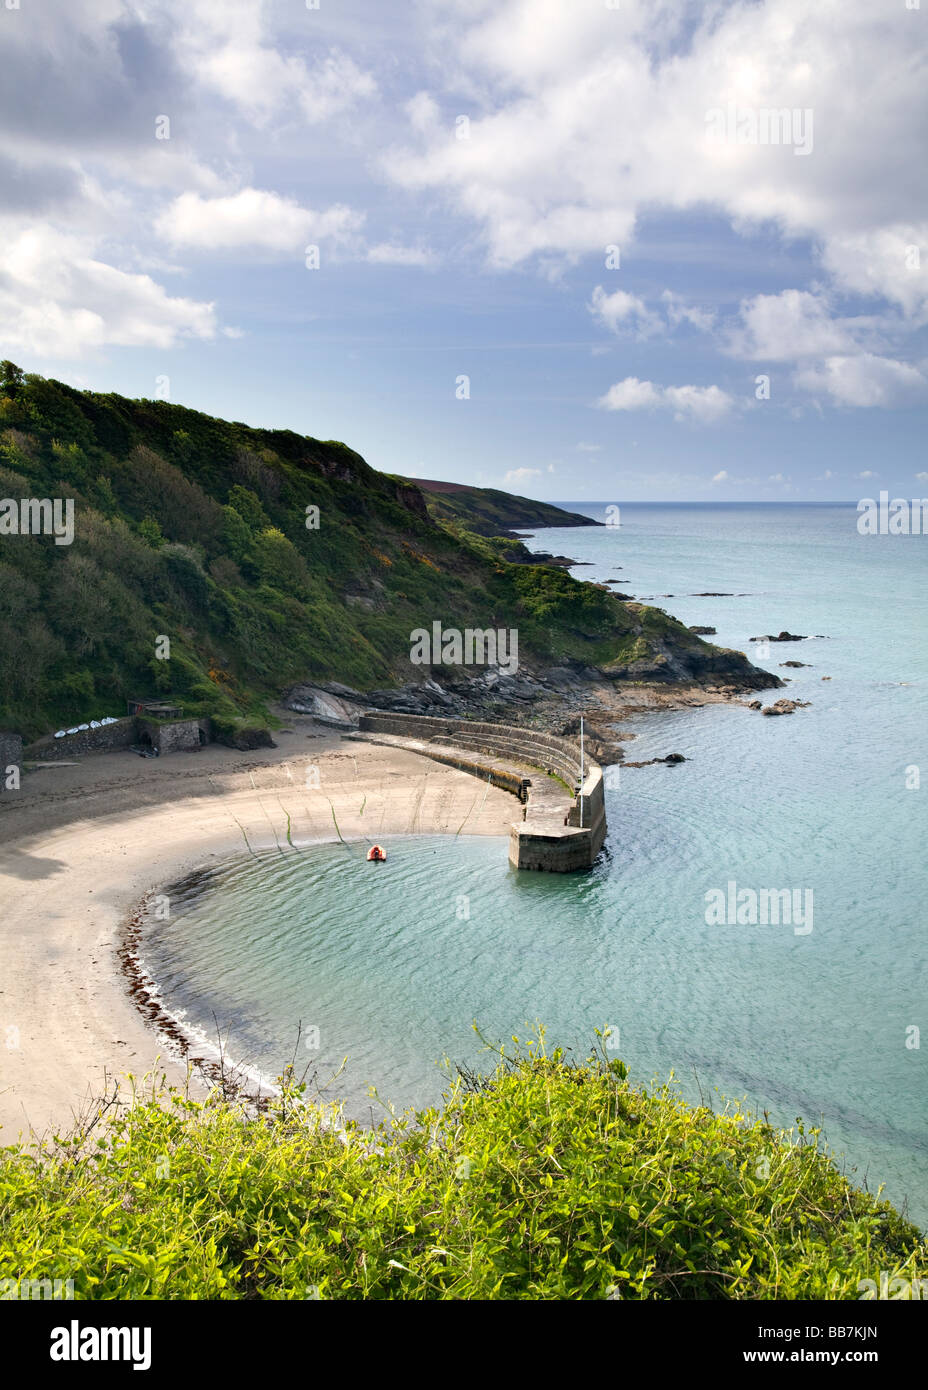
554 835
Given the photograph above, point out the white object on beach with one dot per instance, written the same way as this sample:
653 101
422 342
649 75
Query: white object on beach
60 733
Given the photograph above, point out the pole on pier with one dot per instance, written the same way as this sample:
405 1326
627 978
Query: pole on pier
582 774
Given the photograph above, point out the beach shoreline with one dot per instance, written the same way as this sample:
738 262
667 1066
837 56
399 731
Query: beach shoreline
84 844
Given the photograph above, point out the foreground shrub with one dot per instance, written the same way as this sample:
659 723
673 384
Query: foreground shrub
544 1180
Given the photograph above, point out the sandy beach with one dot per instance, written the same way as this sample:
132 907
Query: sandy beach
82 844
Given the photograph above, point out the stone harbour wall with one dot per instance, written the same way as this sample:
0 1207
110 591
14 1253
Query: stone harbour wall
542 840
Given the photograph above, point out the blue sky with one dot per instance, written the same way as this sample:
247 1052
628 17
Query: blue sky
463 168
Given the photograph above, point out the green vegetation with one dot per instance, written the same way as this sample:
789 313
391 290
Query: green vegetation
203 531
488 512
545 1180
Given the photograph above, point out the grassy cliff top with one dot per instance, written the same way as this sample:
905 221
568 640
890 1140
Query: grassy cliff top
489 512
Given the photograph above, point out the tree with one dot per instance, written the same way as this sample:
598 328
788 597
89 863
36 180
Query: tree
11 378
248 506
150 532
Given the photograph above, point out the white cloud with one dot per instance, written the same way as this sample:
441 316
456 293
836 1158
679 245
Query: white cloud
623 310
865 380
423 112
868 473
58 300
225 45
521 475
252 219
721 476
788 326
702 404
885 261
922 477
679 311
589 448
631 394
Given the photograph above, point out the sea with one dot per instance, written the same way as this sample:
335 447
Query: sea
379 985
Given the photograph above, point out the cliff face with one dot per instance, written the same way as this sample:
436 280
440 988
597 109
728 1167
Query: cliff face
266 559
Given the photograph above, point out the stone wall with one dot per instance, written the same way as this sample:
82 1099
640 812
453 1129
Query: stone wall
177 736
11 755
541 843
564 754
511 782
50 749
553 853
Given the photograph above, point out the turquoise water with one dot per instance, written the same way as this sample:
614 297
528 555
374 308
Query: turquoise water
392 964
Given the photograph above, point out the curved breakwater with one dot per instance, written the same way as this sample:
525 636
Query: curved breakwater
562 826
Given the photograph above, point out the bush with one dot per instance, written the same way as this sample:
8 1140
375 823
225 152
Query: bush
545 1180
240 733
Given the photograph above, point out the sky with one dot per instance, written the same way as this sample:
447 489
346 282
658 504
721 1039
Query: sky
577 249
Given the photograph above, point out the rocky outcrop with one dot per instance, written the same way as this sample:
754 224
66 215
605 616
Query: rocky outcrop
779 706
781 637
670 759
334 704
699 664
524 556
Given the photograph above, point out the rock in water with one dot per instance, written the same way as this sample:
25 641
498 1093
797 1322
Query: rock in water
784 706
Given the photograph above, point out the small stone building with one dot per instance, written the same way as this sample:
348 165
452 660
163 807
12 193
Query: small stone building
173 736
160 724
